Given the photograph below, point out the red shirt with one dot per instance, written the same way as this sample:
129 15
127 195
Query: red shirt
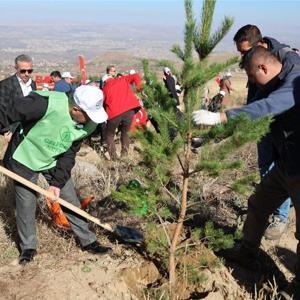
118 94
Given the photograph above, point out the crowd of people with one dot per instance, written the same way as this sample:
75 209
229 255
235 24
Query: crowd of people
45 130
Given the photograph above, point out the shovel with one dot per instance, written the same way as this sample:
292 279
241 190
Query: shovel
126 234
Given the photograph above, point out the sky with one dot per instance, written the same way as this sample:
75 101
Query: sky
275 18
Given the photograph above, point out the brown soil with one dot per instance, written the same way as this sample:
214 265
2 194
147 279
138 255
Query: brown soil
62 271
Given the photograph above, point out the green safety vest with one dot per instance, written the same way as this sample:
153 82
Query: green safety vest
52 135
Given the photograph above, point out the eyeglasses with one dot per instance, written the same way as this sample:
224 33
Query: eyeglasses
23 71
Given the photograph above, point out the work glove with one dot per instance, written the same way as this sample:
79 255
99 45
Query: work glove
205 117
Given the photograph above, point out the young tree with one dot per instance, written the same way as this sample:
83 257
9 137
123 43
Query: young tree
170 144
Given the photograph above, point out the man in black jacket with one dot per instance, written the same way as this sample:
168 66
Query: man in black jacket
18 85
51 130
171 84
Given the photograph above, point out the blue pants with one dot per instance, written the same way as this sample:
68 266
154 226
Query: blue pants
266 163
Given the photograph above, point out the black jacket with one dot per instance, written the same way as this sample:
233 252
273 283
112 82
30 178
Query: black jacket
170 85
28 111
10 90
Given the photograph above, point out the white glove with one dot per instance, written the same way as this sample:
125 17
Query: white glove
205 117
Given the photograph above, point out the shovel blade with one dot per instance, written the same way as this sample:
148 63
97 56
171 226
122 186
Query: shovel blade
129 235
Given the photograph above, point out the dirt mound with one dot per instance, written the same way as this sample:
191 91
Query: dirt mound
75 276
62 270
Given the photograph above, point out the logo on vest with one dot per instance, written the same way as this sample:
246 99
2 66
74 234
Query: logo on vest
66 135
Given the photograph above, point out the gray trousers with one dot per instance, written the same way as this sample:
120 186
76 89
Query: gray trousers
26 210
270 194
122 121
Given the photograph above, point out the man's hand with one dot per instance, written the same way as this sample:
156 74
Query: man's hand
54 190
205 117
7 136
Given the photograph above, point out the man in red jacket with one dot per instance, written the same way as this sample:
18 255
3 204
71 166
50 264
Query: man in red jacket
120 104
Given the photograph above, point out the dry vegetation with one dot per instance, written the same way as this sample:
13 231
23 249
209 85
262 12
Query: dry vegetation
62 270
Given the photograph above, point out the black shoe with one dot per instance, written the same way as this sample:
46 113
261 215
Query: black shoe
246 258
26 256
292 291
96 248
197 142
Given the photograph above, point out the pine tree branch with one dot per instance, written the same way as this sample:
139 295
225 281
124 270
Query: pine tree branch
181 164
170 194
187 245
202 74
164 228
177 50
189 29
195 171
221 32
201 36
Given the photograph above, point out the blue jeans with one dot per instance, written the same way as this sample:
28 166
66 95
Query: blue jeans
266 163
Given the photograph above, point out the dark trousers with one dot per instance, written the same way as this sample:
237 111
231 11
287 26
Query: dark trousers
26 210
123 122
270 194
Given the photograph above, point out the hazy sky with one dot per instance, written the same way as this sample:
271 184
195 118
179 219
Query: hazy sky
275 18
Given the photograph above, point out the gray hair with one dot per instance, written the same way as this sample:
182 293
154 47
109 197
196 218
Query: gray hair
23 58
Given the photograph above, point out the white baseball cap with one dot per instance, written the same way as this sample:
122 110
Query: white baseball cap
167 70
90 99
67 75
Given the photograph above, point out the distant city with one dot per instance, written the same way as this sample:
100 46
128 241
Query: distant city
55 42
59 48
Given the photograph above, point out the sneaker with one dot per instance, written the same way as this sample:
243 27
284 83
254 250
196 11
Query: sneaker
275 229
243 256
96 248
27 256
291 291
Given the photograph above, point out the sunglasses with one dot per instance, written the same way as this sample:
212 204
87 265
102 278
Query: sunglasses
23 71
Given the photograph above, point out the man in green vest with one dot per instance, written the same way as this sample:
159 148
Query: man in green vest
51 128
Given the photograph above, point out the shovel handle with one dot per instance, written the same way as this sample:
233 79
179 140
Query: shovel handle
61 201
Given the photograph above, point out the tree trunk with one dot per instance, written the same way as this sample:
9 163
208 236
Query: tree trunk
178 229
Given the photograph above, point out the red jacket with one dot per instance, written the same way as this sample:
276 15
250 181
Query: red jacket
118 95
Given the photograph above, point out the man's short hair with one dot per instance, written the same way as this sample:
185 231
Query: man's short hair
55 74
256 54
23 58
249 33
109 67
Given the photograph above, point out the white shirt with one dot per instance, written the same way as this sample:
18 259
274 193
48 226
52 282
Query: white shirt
26 87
